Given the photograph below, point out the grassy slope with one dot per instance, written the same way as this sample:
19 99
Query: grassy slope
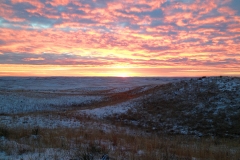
205 106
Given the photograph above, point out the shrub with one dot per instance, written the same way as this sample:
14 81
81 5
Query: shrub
4 131
35 131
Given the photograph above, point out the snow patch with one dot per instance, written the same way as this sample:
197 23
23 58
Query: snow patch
109 110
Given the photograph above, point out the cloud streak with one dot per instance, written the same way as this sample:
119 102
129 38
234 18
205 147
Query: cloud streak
141 34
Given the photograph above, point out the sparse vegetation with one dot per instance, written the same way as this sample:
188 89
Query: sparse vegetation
85 143
197 107
180 120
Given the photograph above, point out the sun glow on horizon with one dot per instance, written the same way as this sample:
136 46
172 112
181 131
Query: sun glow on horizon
123 75
79 71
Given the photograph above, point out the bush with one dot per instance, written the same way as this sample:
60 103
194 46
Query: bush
4 131
35 131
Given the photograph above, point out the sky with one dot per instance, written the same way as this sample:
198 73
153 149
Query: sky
170 38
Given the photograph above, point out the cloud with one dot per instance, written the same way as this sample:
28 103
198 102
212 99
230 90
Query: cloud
155 48
227 61
140 33
227 10
59 2
33 59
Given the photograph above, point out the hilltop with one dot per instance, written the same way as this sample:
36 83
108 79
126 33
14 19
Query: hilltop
203 107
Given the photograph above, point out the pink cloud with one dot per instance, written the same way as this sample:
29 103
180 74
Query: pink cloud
226 10
59 2
34 59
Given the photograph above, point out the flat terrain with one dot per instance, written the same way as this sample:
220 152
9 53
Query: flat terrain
121 118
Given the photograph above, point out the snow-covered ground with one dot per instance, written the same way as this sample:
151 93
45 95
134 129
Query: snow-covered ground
77 83
21 95
203 106
24 99
25 95
30 121
88 103
110 110
13 102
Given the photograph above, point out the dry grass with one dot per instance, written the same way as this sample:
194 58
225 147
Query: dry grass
82 142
